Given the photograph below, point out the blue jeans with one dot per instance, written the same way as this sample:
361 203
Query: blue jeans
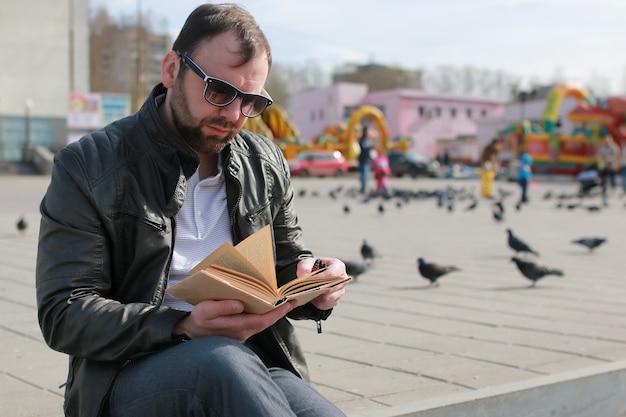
523 183
212 376
364 170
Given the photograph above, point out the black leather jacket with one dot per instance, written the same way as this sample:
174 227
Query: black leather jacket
106 239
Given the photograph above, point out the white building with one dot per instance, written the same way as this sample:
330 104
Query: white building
45 47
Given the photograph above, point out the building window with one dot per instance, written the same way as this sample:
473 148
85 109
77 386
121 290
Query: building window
421 111
321 114
468 112
453 112
483 113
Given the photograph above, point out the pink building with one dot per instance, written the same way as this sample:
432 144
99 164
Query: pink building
425 117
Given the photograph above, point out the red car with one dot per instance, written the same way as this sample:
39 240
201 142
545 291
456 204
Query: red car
319 164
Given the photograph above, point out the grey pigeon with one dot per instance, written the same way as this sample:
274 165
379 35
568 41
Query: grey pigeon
519 245
590 242
22 225
432 271
534 272
355 268
368 253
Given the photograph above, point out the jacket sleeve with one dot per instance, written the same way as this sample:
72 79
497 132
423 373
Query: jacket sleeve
77 312
290 248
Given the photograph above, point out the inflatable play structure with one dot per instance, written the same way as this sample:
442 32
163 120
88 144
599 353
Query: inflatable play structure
344 137
568 153
275 124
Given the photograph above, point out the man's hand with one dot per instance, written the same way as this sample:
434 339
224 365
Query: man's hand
334 267
226 318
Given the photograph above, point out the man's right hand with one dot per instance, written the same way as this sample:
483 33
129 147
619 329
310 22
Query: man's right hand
226 318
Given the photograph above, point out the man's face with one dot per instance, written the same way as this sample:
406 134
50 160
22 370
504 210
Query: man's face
206 128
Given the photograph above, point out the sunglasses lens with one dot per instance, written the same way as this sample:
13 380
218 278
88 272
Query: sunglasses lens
220 93
252 106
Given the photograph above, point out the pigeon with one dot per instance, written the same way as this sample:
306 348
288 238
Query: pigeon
472 206
355 268
368 253
431 271
533 271
498 215
519 245
346 208
590 242
22 225
381 208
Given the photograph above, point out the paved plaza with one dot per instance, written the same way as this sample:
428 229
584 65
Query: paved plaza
483 343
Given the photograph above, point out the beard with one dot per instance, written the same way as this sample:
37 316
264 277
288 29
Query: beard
191 132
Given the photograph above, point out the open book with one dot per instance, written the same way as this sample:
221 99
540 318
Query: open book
246 272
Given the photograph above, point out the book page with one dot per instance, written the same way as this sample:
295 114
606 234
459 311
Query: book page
212 284
309 282
258 248
229 257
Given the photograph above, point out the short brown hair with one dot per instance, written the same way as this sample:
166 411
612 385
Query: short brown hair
209 20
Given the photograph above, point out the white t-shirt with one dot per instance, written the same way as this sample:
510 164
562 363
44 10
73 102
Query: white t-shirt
202 225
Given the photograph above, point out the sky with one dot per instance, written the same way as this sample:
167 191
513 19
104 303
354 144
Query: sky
535 41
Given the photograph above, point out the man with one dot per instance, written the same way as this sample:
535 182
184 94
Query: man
132 207
366 146
608 156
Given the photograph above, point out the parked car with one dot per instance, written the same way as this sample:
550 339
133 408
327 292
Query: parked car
412 164
319 163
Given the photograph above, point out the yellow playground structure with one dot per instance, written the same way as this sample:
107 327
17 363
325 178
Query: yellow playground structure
275 124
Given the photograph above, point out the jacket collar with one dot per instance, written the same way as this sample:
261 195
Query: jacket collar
168 142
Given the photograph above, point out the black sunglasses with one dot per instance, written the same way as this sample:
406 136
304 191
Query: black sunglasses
221 93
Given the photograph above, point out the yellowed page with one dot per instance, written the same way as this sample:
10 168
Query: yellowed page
212 284
229 257
258 248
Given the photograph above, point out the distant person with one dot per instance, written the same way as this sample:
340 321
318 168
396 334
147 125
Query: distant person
588 179
608 157
446 158
622 168
366 144
490 165
524 176
382 171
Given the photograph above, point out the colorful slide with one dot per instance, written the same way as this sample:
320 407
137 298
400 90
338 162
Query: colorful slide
553 105
609 113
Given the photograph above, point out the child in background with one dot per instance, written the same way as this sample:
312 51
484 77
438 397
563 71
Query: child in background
382 171
487 175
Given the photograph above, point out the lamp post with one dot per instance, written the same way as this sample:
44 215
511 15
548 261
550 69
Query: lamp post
28 107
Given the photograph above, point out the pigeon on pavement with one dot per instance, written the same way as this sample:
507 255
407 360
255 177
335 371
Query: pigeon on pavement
355 268
22 225
534 272
590 242
432 272
519 245
368 252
